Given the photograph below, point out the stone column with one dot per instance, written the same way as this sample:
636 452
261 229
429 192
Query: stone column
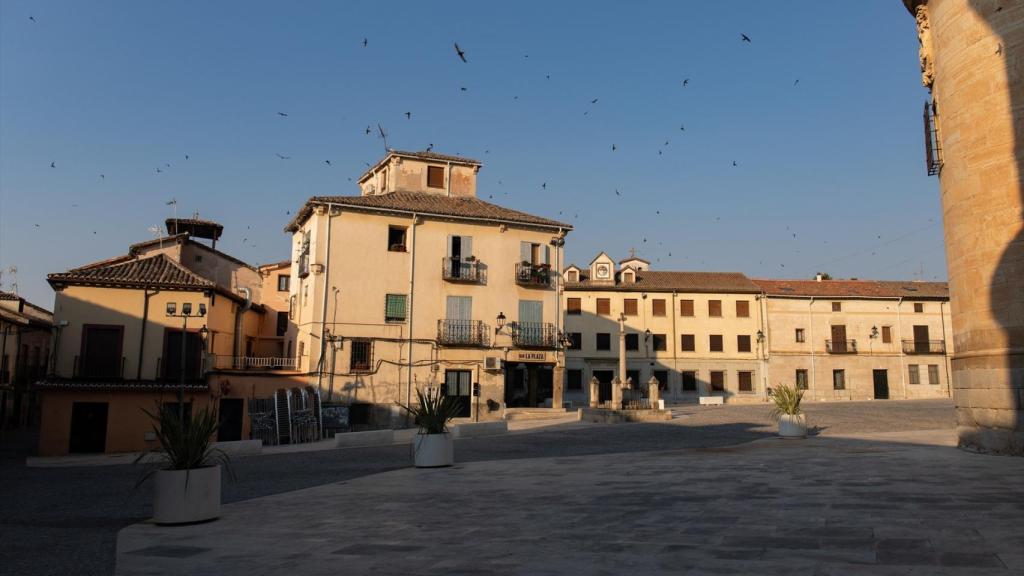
595 392
970 59
557 385
653 393
622 359
616 394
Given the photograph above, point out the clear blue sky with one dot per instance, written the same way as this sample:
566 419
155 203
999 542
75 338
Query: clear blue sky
124 88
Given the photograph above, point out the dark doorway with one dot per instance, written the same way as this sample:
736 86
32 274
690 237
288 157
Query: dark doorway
921 339
229 415
881 378
172 355
528 385
458 384
88 428
689 381
604 389
101 352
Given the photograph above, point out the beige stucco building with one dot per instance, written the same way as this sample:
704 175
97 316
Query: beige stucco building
970 62
858 340
417 283
723 334
24 357
117 349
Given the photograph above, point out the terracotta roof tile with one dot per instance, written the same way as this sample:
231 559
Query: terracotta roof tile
429 155
9 296
56 383
856 288
429 205
651 281
157 271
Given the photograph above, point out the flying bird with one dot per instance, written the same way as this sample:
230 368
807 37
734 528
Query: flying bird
430 147
36 225
365 42
734 163
282 157
33 18
617 193
460 52
367 129
158 170
594 101
103 176
614 148
745 38
544 185
686 82
328 162
186 156
408 115
53 164
682 128
282 114
796 82
462 89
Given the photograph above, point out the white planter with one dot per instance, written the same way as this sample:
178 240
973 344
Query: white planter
433 450
185 496
791 426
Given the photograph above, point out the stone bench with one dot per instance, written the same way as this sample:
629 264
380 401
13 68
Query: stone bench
712 400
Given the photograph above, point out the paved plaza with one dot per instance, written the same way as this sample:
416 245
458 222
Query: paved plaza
639 493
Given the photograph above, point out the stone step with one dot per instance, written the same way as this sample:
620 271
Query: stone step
535 413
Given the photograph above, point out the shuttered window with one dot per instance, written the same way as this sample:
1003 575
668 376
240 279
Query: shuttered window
914 374
658 307
604 341
687 343
887 334
745 381
658 342
837 306
799 336
573 306
933 374
629 307
575 340
742 309
918 307
689 381
717 381
435 176
839 379
715 308
632 342
604 307
662 377
801 379
394 308
459 308
686 307
715 342
743 343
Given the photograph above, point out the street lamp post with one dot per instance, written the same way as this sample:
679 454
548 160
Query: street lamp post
186 312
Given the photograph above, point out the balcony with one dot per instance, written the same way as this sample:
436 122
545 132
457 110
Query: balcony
465 333
221 362
534 275
534 335
106 368
841 346
464 271
924 347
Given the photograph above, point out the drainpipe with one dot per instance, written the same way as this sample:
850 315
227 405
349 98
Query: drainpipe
412 292
675 346
762 308
236 344
899 337
323 312
810 342
448 185
146 295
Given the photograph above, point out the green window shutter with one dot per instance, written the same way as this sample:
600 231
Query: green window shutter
394 307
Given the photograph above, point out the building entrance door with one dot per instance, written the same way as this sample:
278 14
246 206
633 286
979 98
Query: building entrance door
458 384
528 385
88 428
839 339
881 378
604 389
230 415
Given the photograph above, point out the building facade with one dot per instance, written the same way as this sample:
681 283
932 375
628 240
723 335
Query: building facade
970 54
418 284
723 334
121 345
24 357
858 340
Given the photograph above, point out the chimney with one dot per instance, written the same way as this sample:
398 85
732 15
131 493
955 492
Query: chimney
817 277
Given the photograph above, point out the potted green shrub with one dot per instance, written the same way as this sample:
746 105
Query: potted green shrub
786 410
433 446
186 467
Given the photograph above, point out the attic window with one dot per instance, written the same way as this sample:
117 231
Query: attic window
396 239
573 276
628 277
435 177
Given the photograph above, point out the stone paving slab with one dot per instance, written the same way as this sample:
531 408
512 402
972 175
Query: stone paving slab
826 505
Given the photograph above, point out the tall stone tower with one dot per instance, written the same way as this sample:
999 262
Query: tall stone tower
972 60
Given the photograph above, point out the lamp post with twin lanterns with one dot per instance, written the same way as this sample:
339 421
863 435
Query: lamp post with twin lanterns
185 314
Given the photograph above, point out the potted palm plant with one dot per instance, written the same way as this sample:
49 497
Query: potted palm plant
786 410
433 446
186 467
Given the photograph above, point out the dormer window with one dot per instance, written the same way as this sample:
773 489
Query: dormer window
628 277
573 276
435 176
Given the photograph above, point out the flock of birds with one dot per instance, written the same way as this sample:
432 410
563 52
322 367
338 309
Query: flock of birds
463 57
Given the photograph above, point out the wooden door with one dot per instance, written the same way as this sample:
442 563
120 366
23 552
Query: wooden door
921 339
88 428
839 338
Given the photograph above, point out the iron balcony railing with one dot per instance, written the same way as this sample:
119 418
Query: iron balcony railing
461 270
841 346
222 362
537 275
469 333
87 369
534 335
924 347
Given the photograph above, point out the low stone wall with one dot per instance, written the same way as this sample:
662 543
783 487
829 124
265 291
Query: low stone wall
605 416
474 429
